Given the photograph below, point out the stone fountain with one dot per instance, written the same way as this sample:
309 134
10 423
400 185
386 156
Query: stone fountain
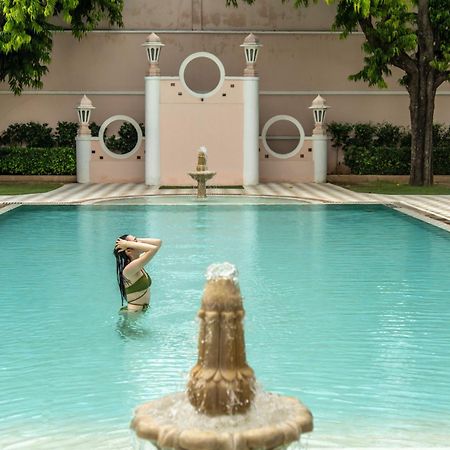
221 409
201 174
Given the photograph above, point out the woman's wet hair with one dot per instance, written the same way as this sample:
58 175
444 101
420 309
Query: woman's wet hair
121 261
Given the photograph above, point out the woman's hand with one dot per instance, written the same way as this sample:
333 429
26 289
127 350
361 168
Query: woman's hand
121 245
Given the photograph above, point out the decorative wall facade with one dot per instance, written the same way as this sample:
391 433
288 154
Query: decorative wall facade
301 57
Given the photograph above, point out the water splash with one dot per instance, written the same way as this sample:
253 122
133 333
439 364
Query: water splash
224 270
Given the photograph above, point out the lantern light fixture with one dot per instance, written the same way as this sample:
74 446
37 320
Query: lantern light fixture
153 46
319 109
251 47
84 114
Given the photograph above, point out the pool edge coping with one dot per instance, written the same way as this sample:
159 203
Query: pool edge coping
323 196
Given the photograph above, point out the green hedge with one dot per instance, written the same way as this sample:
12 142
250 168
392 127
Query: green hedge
37 161
441 160
391 160
377 160
384 149
40 135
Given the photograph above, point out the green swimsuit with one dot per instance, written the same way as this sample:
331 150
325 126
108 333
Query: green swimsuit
141 284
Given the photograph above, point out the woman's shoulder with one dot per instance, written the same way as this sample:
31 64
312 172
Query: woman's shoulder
132 274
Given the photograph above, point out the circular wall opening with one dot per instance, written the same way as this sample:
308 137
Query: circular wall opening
202 74
283 137
120 136
287 139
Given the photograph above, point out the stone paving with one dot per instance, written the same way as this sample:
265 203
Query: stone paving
433 207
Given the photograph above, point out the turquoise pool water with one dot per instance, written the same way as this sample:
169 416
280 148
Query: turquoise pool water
348 309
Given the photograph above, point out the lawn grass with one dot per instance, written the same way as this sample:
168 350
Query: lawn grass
391 188
27 188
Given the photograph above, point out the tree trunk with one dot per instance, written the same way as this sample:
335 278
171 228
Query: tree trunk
422 95
422 92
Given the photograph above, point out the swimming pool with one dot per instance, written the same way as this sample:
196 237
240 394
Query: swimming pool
347 309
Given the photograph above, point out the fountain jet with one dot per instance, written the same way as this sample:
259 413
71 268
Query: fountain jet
221 409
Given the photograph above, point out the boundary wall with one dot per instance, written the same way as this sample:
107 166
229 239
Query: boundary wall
301 57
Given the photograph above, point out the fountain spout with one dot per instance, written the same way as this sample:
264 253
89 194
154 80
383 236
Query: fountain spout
221 409
201 174
221 383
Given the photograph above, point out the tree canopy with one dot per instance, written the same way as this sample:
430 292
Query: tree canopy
26 33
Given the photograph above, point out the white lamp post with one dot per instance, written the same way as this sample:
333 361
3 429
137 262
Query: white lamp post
83 140
153 46
251 47
319 109
320 140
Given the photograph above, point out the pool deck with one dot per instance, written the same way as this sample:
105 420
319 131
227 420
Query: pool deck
431 208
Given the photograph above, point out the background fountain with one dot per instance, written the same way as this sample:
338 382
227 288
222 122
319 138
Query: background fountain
221 409
201 174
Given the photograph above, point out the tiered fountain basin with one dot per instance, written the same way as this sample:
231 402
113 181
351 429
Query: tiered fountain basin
222 409
273 422
201 174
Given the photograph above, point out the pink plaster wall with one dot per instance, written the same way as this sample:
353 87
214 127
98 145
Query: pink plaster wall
298 168
107 169
110 65
179 149
117 65
188 123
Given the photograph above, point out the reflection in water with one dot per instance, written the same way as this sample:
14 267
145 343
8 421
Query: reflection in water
132 325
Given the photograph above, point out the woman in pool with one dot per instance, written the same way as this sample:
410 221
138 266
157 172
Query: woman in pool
132 254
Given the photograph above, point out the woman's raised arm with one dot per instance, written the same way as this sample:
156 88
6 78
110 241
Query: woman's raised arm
151 241
146 250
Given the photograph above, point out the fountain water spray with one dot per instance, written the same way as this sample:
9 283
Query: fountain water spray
221 409
201 174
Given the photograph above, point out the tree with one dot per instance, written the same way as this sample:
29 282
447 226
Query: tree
26 34
414 36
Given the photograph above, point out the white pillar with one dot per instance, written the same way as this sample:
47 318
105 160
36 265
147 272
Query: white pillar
83 149
320 157
152 149
251 131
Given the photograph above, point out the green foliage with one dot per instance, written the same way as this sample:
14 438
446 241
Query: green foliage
441 134
15 188
390 28
37 161
440 21
344 134
387 133
126 140
378 160
94 129
30 134
33 134
363 134
26 34
65 134
384 149
340 132
441 159
392 160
